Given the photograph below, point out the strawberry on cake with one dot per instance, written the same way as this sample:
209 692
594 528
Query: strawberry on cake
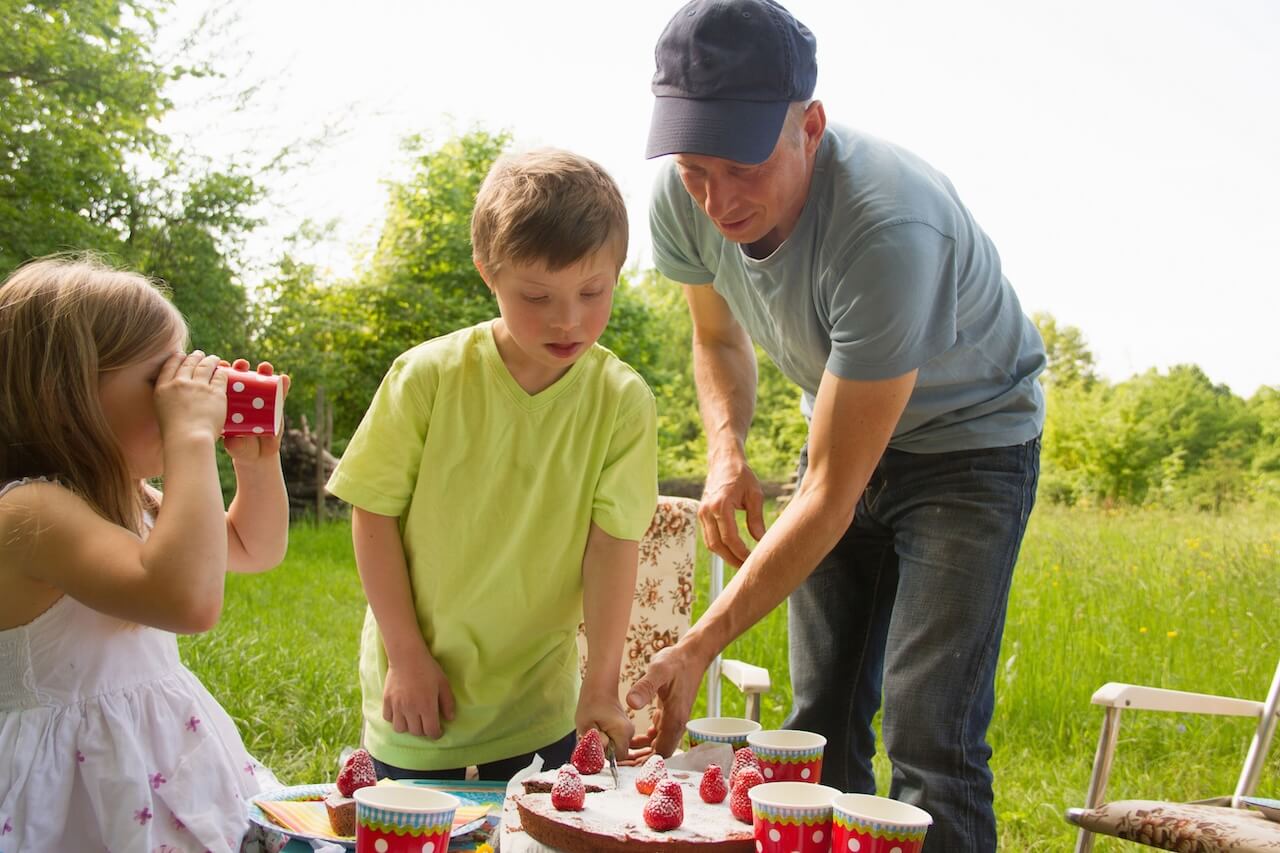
357 772
675 817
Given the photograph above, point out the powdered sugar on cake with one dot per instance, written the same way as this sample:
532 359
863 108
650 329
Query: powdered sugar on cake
618 813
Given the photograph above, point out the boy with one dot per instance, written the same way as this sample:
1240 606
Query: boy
500 482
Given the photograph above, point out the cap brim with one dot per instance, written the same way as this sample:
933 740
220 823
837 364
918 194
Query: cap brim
743 131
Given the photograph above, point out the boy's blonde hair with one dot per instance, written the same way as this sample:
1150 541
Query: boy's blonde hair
547 205
63 322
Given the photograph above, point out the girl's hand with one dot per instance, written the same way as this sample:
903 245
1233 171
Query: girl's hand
247 448
191 394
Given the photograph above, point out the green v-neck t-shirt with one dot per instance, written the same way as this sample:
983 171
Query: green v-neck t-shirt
496 490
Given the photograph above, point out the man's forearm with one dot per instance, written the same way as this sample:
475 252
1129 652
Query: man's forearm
789 551
725 374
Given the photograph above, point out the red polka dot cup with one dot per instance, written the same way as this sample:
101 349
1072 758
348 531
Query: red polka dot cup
403 819
788 755
792 817
255 403
730 730
864 823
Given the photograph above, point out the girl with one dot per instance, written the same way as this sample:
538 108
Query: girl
107 740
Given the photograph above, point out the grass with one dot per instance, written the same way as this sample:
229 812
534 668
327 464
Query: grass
1184 601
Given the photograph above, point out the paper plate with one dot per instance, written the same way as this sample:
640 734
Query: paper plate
472 794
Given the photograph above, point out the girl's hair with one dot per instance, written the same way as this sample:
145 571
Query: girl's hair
63 322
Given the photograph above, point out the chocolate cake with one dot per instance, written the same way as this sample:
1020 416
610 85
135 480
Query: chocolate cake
612 821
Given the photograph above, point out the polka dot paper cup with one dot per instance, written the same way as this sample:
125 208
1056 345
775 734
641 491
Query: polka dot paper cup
729 730
788 755
255 403
864 823
792 817
403 819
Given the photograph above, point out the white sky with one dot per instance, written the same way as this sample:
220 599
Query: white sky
1123 154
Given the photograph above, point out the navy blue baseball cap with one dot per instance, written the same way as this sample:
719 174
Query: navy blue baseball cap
727 71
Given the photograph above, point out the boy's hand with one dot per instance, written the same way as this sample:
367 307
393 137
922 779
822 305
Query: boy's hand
247 448
605 712
417 699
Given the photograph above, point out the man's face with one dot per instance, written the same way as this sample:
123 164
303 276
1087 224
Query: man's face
752 205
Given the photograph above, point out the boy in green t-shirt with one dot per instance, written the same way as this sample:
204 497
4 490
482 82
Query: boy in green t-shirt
500 482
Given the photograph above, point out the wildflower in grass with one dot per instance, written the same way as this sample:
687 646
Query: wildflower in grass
1142 630
1171 634
1193 543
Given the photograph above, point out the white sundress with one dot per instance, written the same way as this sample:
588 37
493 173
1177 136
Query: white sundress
107 742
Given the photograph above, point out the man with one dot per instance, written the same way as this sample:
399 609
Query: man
855 266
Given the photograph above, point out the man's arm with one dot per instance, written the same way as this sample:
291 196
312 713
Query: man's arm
724 368
851 426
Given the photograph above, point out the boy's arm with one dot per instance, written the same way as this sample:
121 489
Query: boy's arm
416 697
608 585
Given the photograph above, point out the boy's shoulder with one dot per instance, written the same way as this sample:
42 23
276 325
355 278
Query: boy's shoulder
616 374
442 352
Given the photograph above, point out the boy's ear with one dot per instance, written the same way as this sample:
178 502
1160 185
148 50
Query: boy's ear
483 274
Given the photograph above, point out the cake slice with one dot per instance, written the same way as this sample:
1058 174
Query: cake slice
357 772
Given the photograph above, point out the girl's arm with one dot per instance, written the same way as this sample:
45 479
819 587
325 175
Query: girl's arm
608 586
174 579
258 518
416 697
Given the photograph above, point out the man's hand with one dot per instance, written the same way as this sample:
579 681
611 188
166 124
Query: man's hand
418 700
672 678
605 713
731 485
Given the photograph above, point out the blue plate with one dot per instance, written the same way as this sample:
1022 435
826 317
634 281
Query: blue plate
474 793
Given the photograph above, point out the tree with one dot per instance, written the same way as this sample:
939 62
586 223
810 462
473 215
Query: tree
1069 359
86 169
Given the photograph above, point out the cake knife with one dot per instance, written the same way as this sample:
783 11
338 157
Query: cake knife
612 758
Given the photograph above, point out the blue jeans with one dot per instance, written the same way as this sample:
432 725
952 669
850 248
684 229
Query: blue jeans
912 602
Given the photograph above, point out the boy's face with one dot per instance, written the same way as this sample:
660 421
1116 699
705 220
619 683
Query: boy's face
549 319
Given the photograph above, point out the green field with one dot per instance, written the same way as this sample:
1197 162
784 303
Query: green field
1184 601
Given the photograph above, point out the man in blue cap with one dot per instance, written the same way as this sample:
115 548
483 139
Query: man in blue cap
856 267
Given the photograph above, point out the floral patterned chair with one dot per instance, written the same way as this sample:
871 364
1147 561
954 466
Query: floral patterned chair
663 601
1208 826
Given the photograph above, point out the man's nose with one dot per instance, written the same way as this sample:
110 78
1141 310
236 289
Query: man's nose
719 199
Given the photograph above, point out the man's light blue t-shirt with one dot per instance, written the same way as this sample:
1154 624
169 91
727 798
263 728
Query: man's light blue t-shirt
885 272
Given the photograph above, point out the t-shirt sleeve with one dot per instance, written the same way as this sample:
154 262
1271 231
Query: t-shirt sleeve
627 492
379 469
892 302
673 232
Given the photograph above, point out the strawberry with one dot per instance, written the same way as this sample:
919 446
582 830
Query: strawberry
654 771
357 772
588 755
567 794
742 758
665 807
712 789
739 801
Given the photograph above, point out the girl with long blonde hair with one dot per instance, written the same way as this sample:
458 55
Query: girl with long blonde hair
109 742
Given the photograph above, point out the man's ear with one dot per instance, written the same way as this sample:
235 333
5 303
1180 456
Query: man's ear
815 124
